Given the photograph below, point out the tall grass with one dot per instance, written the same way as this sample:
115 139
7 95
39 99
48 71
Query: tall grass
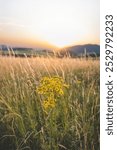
72 125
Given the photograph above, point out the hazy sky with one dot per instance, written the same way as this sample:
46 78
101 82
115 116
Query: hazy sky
56 22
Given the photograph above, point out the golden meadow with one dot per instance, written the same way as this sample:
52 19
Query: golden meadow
49 103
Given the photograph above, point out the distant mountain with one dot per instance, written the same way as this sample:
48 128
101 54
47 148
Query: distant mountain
74 51
22 48
6 47
78 50
24 51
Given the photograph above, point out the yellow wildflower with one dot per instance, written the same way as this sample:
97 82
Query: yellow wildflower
49 103
51 88
51 85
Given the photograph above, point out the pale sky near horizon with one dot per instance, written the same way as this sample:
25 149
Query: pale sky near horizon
49 22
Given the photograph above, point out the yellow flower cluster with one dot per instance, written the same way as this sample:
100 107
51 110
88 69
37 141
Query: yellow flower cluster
49 103
51 88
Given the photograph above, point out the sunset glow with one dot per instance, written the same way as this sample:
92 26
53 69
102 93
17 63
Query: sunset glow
43 23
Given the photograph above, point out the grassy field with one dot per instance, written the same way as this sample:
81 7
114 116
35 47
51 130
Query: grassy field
70 120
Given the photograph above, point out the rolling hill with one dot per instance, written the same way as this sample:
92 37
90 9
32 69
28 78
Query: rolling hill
78 50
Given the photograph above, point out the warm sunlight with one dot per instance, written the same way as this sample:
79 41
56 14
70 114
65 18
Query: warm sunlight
58 22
